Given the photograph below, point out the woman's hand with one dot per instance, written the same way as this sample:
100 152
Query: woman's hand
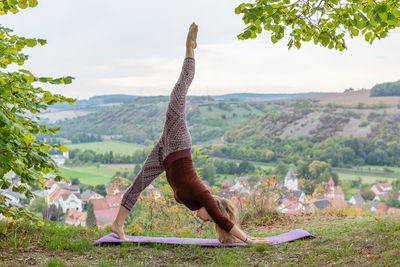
258 240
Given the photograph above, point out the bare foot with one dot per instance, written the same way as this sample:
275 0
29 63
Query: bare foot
118 230
192 36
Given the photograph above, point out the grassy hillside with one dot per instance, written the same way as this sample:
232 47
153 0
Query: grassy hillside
340 240
93 175
107 146
318 123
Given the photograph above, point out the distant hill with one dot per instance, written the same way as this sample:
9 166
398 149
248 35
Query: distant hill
354 98
318 123
122 98
96 100
249 97
141 120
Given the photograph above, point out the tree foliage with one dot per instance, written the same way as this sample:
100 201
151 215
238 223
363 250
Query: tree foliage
90 218
325 22
21 99
386 89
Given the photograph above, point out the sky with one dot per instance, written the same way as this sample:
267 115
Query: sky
137 48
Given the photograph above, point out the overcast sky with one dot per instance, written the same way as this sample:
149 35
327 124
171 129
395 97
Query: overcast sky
137 47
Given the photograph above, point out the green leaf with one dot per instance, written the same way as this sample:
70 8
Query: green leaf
354 32
42 41
68 79
62 148
380 8
274 39
269 9
31 42
33 3
4 119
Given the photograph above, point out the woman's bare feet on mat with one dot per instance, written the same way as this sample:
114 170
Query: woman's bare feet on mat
118 230
191 41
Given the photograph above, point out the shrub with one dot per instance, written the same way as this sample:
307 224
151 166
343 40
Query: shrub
363 123
368 194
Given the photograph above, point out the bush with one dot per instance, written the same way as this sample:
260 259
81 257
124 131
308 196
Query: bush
363 123
368 194
260 207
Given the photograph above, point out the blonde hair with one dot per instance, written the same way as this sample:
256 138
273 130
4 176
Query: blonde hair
231 212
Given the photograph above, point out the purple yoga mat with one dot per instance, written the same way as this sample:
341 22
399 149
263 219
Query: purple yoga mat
286 237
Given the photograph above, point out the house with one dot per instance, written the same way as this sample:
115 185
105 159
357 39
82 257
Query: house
291 206
332 191
291 180
337 202
115 188
67 186
89 195
396 195
393 211
99 204
114 200
381 191
105 216
377 207
357 201
64 198
75 217
12 198
296 195
59 159
320 204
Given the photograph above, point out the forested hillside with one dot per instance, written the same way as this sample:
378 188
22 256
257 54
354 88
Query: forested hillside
141 121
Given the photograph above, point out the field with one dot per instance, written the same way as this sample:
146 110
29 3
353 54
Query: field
353 98
93 175
107 146
339 241
366 179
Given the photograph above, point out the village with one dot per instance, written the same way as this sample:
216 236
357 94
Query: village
288 198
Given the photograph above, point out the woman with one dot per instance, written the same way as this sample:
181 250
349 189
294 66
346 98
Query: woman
172 154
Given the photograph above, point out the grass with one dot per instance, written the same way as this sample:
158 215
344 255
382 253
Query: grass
361 241
366 179
107 146
92 175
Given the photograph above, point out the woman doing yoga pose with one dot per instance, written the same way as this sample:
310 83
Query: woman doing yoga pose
172 155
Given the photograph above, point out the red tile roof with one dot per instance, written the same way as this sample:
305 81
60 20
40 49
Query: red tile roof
59 192
383 187
338 190
99 204
393 211
106 216
331 182
337 202
49 183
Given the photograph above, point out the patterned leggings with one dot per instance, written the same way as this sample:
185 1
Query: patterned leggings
175 136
